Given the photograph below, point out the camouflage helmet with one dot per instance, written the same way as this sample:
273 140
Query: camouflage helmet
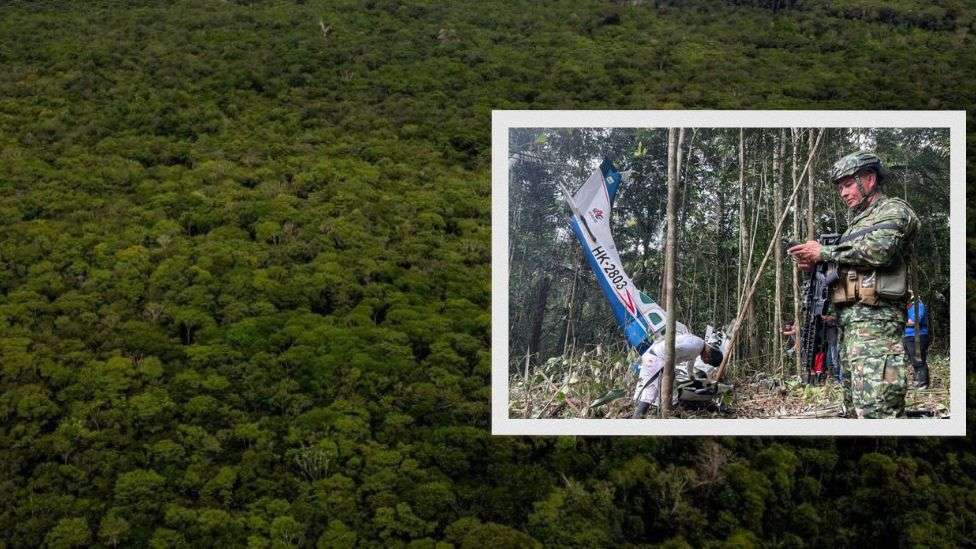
855 162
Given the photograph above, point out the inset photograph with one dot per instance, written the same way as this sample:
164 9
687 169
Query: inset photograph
808 266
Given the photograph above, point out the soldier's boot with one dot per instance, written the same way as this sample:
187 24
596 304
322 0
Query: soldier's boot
922 376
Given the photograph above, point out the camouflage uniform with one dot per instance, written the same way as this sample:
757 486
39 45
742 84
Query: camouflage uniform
871 349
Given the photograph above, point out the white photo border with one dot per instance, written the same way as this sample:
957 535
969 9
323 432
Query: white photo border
504 120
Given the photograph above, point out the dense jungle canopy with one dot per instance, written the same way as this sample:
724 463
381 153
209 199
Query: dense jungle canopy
245 283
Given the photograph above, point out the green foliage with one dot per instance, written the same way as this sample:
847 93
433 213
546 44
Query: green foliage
576 515
337 536
469 532
113 529
245 272
67 533
139 489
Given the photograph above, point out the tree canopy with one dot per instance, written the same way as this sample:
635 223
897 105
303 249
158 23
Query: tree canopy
245 273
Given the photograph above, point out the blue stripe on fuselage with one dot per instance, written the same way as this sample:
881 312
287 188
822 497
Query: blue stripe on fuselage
633 328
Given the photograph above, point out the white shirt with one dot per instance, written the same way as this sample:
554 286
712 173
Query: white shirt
686 348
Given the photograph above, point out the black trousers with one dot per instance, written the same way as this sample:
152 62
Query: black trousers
923 359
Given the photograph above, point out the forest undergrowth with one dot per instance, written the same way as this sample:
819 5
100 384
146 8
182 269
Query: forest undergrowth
599 384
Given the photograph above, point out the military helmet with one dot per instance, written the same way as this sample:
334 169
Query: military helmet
855 162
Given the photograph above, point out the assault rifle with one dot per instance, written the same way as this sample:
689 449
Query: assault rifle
814 304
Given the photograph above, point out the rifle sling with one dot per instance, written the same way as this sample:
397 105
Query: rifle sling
866 230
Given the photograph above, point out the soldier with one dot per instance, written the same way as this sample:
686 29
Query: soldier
871 283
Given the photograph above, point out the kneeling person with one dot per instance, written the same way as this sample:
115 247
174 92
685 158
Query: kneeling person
687 348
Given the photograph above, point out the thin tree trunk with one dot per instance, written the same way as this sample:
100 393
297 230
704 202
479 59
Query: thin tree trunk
751 324
778 152
542 297
743 227
680 188
683 164
667 379
720 208
796 270
528 387
811 229
667 222
694 293
572 301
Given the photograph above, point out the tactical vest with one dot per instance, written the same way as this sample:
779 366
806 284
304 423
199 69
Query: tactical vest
866 285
